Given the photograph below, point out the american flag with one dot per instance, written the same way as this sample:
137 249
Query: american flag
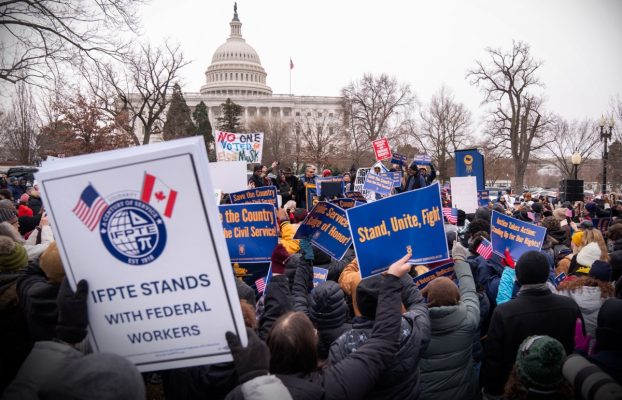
485 249
90 207
451 214
260 284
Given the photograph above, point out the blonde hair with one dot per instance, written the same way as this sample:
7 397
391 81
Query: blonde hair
595 235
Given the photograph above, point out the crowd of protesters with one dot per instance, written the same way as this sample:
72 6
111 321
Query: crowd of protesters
500 329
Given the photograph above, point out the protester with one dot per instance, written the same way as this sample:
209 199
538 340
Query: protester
23 209
307 179
535 311
447 370
285 190
259 177
292 181
608 349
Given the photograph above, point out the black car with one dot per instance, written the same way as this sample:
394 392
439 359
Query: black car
18 173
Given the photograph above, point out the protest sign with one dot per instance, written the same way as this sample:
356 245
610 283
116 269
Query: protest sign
483 198
136 241
358 196
326 226
446 268
319 275
464 193
470 162
423 159
246 147
385 230
330 186
228 176
559 278
346 203
515 235
264 194
379 184
382 151
311 196
398 159
250 231
395 176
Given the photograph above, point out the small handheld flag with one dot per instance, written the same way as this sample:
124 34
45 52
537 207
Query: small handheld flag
451 214
484 249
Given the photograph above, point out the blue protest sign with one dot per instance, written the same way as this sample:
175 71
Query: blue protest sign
319 275
559 278
445 269
358 196
250 231
423 159
326 226
385 230
398 159
344 203
395 176
515 235
265 194
471 163
483 197
311 196
379 184
330 186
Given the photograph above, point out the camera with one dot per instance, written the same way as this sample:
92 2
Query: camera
589 381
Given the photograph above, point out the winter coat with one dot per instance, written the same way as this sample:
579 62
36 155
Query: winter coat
277 301
484 311
35 204
615 259
589 300
15 342
354 376
266 387
325 306
24 211
35 249
194 383
37 298
401 379
489 274
506 286
532 312
447 364
288 230
335 267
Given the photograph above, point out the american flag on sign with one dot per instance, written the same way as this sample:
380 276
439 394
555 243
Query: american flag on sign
451 214
260 284
90 207
484 249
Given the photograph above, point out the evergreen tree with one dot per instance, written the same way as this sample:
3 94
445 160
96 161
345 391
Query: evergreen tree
614 169
178 121
230 120
204 128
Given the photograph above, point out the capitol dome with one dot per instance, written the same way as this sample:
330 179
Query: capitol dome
235 68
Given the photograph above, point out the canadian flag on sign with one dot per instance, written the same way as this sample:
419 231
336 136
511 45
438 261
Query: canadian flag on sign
159 195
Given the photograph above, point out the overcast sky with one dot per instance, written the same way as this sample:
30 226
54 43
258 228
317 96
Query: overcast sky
425 43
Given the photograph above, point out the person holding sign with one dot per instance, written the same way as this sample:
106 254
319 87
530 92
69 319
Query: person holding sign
418 178
293 352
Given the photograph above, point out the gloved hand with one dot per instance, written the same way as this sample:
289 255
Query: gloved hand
581 342
307 250
72 312
250 361
459 252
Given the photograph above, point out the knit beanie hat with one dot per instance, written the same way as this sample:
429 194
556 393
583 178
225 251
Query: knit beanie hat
577 238
13 256
367 296
326 172
24 198
532 268
279 257
539 363
588 255
609 325
327 305
51 264
7 215
601 270
441 292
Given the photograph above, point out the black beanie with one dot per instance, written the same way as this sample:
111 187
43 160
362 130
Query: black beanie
367 295
532 267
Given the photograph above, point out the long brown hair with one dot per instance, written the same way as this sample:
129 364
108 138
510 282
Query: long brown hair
293 345
606 290
516 390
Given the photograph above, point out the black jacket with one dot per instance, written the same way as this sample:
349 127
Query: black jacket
35 204
198 383
533 312
335 267
400 380
37 298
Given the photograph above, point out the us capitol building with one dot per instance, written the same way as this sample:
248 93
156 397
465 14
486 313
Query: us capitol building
236 73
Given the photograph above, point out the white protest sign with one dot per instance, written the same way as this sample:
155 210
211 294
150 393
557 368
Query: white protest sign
133 223
464 193
230 177
239 146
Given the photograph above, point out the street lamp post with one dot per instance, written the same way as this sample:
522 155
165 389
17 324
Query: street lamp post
606 129
576 160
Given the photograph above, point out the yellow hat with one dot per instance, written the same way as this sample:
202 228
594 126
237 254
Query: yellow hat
577 238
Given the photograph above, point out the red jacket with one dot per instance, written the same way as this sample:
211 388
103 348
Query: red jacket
24 211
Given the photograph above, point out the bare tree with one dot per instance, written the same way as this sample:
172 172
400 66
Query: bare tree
518 121
142 89
41 38
321 135
569 138
445 125
277 138
20 125
376 106
616 114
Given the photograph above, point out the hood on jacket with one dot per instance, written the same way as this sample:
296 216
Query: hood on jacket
327 305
